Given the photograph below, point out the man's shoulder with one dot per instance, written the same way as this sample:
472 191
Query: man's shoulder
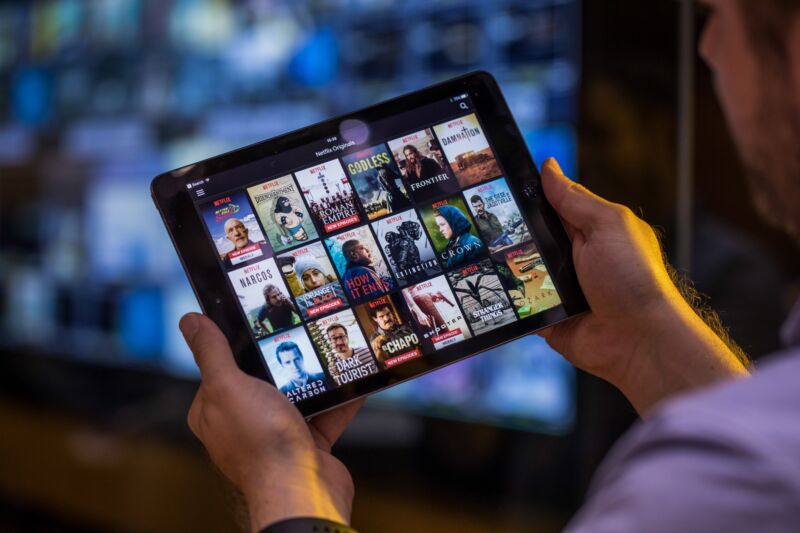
753 420
725 458
767 398
752 412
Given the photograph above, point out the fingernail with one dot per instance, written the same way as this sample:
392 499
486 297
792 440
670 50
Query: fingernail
553 164
189 325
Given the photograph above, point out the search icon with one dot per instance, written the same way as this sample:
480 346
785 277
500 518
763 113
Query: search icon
463 105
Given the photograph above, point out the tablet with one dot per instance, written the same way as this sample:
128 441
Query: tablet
354 254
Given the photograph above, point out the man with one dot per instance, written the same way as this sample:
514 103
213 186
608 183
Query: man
488 224
350 363
360 279
419 167
390 338
390 195
291 360
278 311
714 453
238 234
425 174
436 151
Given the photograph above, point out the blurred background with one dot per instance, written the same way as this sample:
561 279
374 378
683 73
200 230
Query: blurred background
99 96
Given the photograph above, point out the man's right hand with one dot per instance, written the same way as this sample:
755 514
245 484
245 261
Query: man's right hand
281 463
641 335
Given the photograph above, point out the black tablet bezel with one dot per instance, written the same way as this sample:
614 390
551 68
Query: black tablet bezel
208 280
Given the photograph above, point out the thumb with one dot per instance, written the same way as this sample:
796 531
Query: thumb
210 348
578 206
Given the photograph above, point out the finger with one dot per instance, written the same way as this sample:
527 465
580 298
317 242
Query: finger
579 207
210 348
571 230
327 427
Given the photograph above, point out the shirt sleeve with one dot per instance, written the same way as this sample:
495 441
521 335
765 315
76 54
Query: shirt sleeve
689 471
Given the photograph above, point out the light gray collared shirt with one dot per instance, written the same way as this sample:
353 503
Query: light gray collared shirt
725 459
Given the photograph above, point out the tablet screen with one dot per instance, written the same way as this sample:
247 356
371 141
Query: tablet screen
391 242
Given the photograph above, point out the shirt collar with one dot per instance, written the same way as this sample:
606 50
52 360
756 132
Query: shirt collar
790 332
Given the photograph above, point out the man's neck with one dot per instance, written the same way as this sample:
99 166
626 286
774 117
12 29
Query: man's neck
300 382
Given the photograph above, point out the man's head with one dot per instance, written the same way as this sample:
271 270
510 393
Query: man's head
412 154
272 295
338 337
355 252
477 204
383 315
236 233
291 359
753 49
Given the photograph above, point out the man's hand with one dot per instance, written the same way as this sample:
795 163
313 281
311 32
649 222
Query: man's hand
282 464
641 335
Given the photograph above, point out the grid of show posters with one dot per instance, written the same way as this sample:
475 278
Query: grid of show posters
382 256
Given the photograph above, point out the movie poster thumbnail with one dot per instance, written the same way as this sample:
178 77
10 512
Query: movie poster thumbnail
407 248
423 166
496 215
436 313
467 149
344 349
294 365
480 294
453 233
526 279
312 280
329 196
376 179
234 229
282 212
389 331
361 267
264 298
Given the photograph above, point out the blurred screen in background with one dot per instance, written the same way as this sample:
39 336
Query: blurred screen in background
97 97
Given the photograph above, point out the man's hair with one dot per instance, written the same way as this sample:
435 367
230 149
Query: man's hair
287 346
768 22
231 222
349 247
336 325
268 287
412 148
475 199
374 311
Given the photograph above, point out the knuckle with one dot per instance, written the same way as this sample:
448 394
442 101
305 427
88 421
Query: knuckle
219 386
615 213
625 213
